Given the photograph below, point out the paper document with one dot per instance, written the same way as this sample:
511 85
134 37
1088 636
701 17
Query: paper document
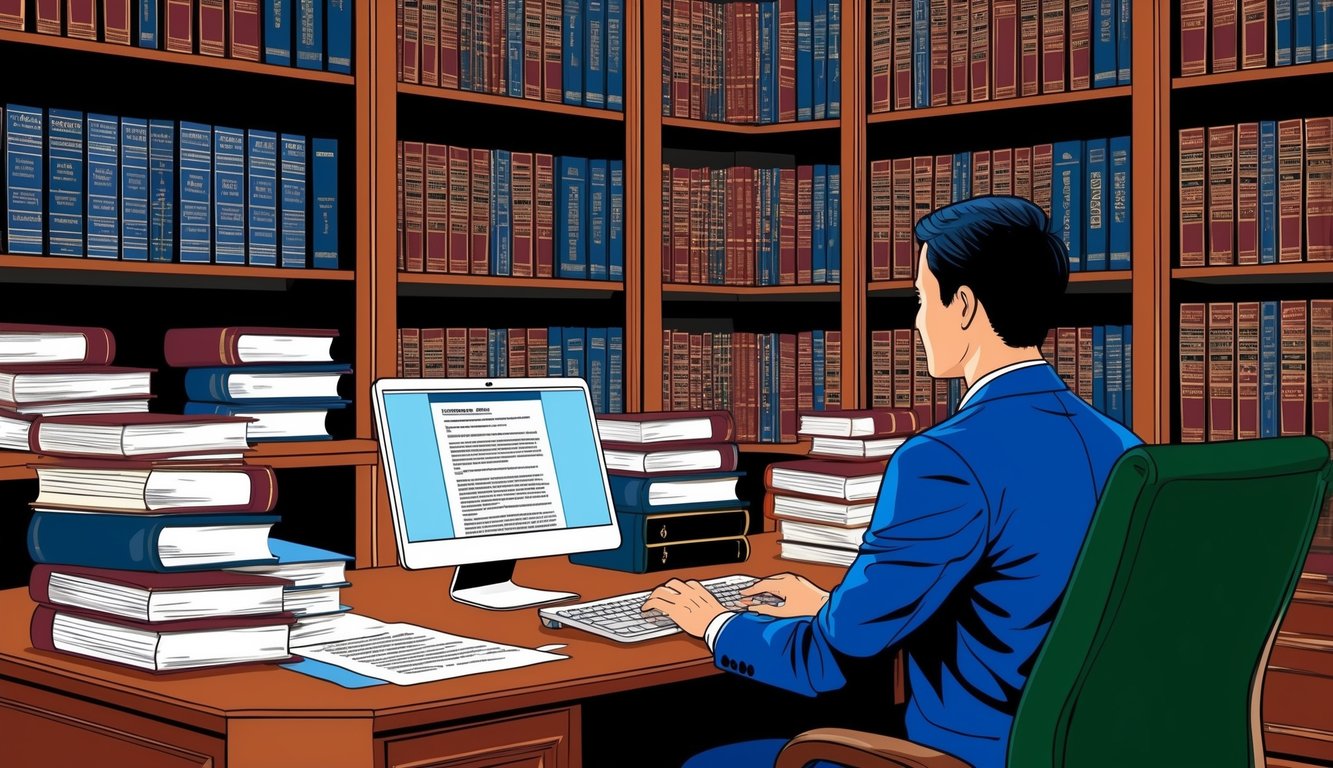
406 654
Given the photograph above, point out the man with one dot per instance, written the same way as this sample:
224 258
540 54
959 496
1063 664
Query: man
978 521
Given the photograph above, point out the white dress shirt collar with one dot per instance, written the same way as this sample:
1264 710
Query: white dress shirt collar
993 375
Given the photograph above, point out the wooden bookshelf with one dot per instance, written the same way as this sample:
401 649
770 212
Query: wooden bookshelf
509 102
50 268
434 284
745 129
1005 105
1253 76
1258 274
683 292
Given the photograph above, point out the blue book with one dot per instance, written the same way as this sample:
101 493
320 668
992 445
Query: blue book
64 179
1302 23
133 189
805 60
292 553
1120 237
1095 223
555 351
571 75
570 215
1104 44
492 354
194 163
575 356
1067 206
292 173
817 369
1124 30
1099 368
1283 46
247 385
615 370
962 176
765 267
502 352
594 53
127 542
775 235
465 43
261 202
598 379
819 44
228 195
324 191
161 190
310 34
1267 192
834 109
501 210
277 32
1323 30
148 37
338 35
1269 352
615 55
955 388
103 170
261 430
818 241
633 493
514 47
1115 373
920 53
598 260
1127 374
768 30
833 225
25 179
767 396
615 225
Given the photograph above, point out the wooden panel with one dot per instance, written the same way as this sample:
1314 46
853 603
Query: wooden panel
329 743
1295 699
855 165
649 359
543 740
1290 741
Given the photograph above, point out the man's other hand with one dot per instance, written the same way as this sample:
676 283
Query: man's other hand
687 603
800 596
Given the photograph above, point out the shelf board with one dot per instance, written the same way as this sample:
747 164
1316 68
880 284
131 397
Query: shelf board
751 130
85 271
1026 102
1251 75
489 99
171 57
681 292
789 449
436 284
1295 272
1117 281
14 465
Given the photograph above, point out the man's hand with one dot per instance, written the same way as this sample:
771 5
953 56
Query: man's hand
801 597
687 603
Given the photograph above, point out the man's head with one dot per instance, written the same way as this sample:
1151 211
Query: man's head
989 279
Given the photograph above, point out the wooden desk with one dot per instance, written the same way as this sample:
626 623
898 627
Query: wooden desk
72 711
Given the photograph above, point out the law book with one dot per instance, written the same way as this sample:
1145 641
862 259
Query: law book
1293 371
1221 195
1269 366
1097 223
415 216
278 32
571 218
820 535
134 189
31 344
1290 189
16 422
667 427
428 41
597 220
1319 187
501 213
310 383
1104 72
158 543
677 458
1282 32
1191 170
572 51
815 509
818 225
1029 47
228 222
13 15
1322 19
1054 42
22 384
247 345
293 175
615 220
1321 369
480 216
1120 231
848 481
25 179
1193 346
137 435
301 565
816 553
1221 377
675 493
245 29
880 422
662 557
273 421
457 206
1302 22
1119 373
1004 49
1253 21
155 597
147 23
64 176
179 25
855 448
1067 203
194 164
155 487
324 202
262 198
1247 370
1247 194
212 30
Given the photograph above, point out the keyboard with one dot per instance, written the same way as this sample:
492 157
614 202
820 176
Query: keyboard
620 617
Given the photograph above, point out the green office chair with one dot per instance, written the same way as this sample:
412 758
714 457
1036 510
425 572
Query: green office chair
1157 654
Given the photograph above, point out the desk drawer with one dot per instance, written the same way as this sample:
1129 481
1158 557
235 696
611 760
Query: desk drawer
540 740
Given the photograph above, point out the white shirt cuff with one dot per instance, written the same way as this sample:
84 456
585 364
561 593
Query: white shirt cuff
715 628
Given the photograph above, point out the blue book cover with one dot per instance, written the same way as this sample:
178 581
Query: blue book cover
514 48
501 210
615 225
492 354
594 53
1127 374
920 53
1268 368
571 75
555 351
598 261
250 384
1099 369
817 369
962 176
833 226
25 179
1302 22
955 395
633 493
775 235
570 214
1323 30
767 395
765 267
228 195
324 191
1267 192
1115 373
1067 206
1120 237
103 172
259 431
768 30
64 180
598 379
338 35
834 109
292 553
133 189
575 355
465 43
615 370
502 352
277 32
194 164
639 552
819 44
310 34
127 542
162 190
1095 223
292 174
818 241
805 60
1283 46
148 37
1104 44
261 202
615 55
1124 31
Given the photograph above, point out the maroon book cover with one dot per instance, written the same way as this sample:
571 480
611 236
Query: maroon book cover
437 208
1191 172
960 36
1222 195
1080 45
805 182
1002 172
1223 34
1319 188
430 41
1023 172
787 62
805 370
456 353
82 16
414 214
410 343
1247 370
1193 37
833 369
537 352
1290 183
544 216
244 39
923 389
923 172
213 27
979 56
1029 47
1254 34
727 455
881 220
1321 369
100 344
552 61
886 422
401 248
787 226
1054 37
203 347
13 14
680 57
1293 375
432 353
49 21
521 192
448 45
460 210
1247 193
1042 157
786 404
939 53
518 351
881 371
1221 371
943 194
901 372
1193 371
904 258
39 582
127 420
532 46
881 54
481 212
1004 48
411 39
180 26
902 54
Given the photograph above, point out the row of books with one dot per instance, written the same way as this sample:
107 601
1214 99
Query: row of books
761 378
1254 369
1097 364
1083 186
1256 193
596 355
929 53
519 214
112 187
1226 35
310 34
560 51
900 378
770 61
752 226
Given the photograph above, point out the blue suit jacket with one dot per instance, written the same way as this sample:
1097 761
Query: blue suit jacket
974 534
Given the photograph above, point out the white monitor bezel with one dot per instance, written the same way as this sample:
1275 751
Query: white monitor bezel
479 549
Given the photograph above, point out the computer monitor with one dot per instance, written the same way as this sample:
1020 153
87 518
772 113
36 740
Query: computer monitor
483 472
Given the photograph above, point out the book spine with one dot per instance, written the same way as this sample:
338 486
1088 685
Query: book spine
294 206
162 202
1321 369
134 189
1004 49
245 25
1290 202
512 67
819 58
1080 44
902 53
598 256
466 44
147 23
1247 370
195 168
1221 371
1267 213
501 211
102 205
571 215
1323 30
594 53
920 53
1282 33
81 21
531 80
448 43
939 52
1124 48
615 236
64 179
428 41
1117 374
400 226
1191 171
410 68
262 198
1269 356
521 214
310 34
229 195
572 49
459 208
834 108
1247 194
324 181
1104 72
1067 206
1099 372
212 28
819 205
1193 372
180 25
1029 47
25 182
1222 24
805 59
1121 233
1302 22
1293 396
544 215
1253 34
1095 229
1043 177
338 34
481 211
1319 189
881 220
278 33
1054 39
979 54
1221 195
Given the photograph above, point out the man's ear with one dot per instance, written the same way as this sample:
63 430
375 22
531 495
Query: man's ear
967 304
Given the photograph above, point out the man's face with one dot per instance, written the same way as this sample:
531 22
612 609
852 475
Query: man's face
941 327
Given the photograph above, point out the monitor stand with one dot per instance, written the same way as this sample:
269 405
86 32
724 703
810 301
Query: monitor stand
490 585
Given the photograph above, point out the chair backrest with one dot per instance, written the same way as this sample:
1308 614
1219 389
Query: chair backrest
1157 653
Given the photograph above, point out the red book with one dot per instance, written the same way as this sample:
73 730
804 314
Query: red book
979 57
787 58
698 209
881 55
212 28
677 458
1223 34
537 352
478 352
1191 172
787 226
881 371
680 56
432 353
401 203
552 63
239 345
82 16
180 26
960 35
805 372
923 388
1085 363
679 209
1066 356
398 40
902 54
923 171
805 184
162 591
1254 34
1247 193
518 352
543 215
532 48
32 343
448 44
411 41
414 213
865 422
1080 45
437 208
456 353
521 191
1002 172
1292 377
786 394
1029 47
1054 37
409 341
902 369
845 480
49 21
13 14
1023 172
1290 202
939 53
138 435
663 427
430 41
481 212
460 209
904 256
833 369
1321 369
941 400
1221 371
1004 48
981 173
697 31
1042 157
1193 37
1319 188
881 220
1247 370
79 485
943 189
1221 195
244 38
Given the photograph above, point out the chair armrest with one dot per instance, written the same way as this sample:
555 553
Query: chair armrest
859 749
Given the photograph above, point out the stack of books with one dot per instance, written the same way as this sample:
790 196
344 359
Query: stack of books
312 591
823 504
673 480
54 370
283 380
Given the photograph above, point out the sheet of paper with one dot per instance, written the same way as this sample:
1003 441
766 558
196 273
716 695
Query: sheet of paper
406 654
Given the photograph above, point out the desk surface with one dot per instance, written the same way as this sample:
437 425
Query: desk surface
207 699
